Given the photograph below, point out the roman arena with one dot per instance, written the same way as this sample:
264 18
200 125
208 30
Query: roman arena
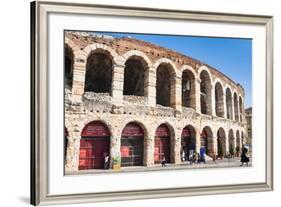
139 102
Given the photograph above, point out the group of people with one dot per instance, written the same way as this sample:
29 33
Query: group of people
193 157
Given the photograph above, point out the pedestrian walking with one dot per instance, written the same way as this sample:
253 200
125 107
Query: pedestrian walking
106 161
244 157
163 162
191 158
183 156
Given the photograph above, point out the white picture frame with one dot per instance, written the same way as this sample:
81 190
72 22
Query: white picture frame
43 189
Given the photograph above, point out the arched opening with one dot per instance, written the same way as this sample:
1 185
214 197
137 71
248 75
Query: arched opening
235 99
162 144
228 104
206 140
164 84
68 66
221 142
188 141
243 139
238 143
99 72
188 90
132 139
219 100
94 146
240 108
231 142
134 74
205 93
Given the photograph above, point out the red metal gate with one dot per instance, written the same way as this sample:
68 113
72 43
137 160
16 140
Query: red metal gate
94 144
132 145
162 144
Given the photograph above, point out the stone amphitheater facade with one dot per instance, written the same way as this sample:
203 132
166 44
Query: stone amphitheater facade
120 81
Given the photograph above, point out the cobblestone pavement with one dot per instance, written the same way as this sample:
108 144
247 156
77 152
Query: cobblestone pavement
225 163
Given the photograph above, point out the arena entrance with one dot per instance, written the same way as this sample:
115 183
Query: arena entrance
94 146
206 140
162 144
132 145
188 141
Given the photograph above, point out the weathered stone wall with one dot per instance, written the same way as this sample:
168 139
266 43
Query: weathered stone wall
117 110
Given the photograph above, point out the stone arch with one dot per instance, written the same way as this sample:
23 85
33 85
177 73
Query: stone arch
68 66
205 92
94 146
205 68
241 108
136 53
231 141
164 143
189 68
132 144
139 122
103 121
188 87
135 73
168 62
97 46
99 69
188 141
235 100
206 140
221 142
238 143
219 99
242 137
164 89
229 111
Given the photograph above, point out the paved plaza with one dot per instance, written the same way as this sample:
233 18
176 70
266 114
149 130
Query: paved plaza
225 163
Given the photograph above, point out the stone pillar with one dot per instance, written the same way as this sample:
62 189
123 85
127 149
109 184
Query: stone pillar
149 150
238 110
198 140
226 145
176 92
243 112
117 84
72 152
215 145
197 95
115 148
150 86
177 148
213 101
224 105
78 83
233 108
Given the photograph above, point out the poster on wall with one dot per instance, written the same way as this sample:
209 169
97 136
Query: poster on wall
127 92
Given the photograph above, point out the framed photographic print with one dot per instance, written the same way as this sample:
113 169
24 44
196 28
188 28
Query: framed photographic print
136 103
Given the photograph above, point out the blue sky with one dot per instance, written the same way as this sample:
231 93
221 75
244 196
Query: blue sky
231 56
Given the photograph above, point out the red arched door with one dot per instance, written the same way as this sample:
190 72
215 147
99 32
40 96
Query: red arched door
162 144
94 144
132 145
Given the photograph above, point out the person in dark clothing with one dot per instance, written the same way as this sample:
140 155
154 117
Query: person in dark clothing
163 162
244 157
